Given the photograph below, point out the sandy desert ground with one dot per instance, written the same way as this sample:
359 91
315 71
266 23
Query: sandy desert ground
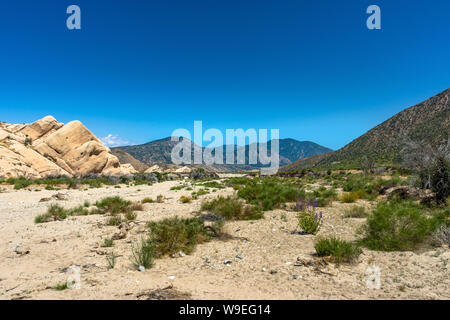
263 254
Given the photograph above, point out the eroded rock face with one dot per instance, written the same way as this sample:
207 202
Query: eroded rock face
49 148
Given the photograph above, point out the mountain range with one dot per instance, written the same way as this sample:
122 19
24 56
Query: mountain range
159 152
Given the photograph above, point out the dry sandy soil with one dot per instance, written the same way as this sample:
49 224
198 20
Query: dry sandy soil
263 255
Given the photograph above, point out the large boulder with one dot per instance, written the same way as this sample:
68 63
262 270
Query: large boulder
49 148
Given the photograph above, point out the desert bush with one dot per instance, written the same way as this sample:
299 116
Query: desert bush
143 254
78 211
232 208
136 206
440 179
114 221
147 200
27 141
97 182
54 213
114 205
61 286
398 225
199 193
339 250
170 236
111 260
441 236
355 212
160 198
430 164
308 220
269 193
107 242
349 197
130 216
185 199
212 184
19 183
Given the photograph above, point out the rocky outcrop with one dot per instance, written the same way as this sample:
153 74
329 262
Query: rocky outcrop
49 148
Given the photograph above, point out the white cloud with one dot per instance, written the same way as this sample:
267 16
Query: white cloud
113 140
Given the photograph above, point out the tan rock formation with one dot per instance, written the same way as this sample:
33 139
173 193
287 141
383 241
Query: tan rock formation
50 148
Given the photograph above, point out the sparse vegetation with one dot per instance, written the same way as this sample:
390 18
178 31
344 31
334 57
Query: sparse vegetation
111 260
308 220
349 197
400 225
61 286
355 212
269 193
147 200
232 208
339 250
143 254
170 236
107 242
185 199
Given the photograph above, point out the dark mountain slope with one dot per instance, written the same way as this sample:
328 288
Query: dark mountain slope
429 120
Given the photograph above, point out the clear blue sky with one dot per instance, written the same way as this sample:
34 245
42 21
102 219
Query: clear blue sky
140 69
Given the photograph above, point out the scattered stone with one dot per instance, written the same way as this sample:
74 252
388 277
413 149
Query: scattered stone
59 196
171 277
141 268
119 235
273 271
207 260
295 276
181 253
307 261
263 269
45 199
21 251
227 262
239 257
168 293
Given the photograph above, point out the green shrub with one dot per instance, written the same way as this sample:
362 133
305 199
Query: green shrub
61 286
147 200
397 225
440 179
339 250
349 197
308 220
114 221
170 236
143 254
232 208
54 213
111 260
355 212
212 184
269 193
130 216
108 242
114 205
185 199
199 193
19 183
